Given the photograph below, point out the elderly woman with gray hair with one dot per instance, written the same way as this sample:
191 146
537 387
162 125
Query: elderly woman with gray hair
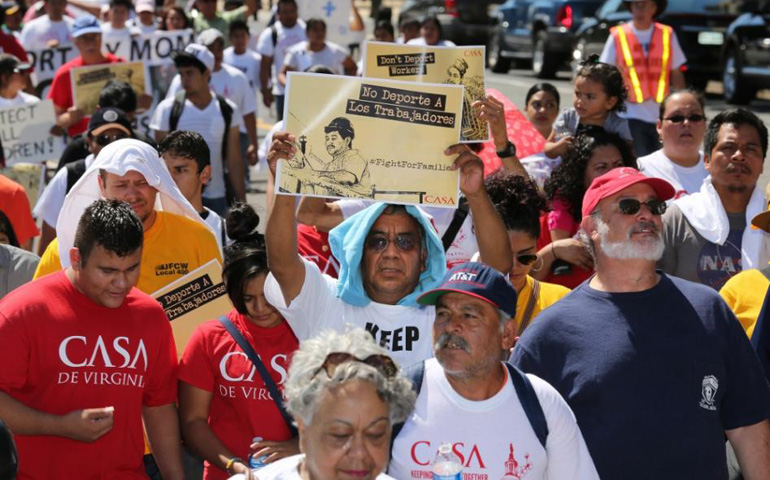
344 393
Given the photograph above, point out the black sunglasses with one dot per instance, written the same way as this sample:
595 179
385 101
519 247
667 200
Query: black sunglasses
406 242
526 259
105 139
682 118
630 206
383 363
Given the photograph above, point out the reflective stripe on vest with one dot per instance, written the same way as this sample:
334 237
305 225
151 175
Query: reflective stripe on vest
645 77
630 65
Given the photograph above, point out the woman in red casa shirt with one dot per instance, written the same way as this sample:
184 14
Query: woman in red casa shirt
223 401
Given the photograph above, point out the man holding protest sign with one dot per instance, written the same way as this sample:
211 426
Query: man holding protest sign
87 415
388 255
87 35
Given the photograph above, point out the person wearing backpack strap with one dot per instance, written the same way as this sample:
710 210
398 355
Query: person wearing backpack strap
217 119
272 45
501 422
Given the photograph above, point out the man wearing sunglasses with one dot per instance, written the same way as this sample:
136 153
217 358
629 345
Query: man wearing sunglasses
656 368
490 427
388 255
681 126
708 234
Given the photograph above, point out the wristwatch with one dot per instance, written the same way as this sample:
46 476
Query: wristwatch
508 151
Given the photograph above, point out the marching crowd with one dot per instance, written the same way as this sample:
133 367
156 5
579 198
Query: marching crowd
597 309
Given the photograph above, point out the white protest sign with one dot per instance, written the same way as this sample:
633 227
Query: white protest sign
47 62
336 14
24 131
151 48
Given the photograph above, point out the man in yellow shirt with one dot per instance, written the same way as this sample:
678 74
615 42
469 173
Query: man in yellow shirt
176 240
745 292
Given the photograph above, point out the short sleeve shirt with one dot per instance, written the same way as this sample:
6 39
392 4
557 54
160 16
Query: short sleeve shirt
61 351
654 377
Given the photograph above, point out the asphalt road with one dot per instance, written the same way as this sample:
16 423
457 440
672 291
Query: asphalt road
514 85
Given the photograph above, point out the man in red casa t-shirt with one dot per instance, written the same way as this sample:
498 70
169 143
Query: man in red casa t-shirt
87 36
86 357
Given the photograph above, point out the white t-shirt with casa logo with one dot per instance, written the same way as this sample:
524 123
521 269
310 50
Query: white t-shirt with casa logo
464 245
685 180
493 438
405 331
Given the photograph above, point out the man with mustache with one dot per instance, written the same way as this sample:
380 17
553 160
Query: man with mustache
388 255
656 368
708 235
468 397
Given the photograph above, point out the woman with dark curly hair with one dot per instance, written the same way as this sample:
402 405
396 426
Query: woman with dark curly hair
595 152
599 96
520 205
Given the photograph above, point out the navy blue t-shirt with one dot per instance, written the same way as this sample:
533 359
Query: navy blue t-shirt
654 377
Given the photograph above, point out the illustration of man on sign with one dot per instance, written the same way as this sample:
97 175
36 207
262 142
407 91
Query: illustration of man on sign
347 174
472 127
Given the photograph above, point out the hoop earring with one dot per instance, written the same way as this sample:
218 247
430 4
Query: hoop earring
541 264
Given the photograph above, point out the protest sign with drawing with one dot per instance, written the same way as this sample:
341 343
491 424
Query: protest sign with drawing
336 14
193 299
24 132
455 65
351 134
88 81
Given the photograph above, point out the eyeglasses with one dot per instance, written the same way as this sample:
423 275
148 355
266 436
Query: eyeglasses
382 363
105 140
682 118
630 206
526 259
406 242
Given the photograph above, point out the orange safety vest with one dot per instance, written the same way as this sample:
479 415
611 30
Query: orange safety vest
645 77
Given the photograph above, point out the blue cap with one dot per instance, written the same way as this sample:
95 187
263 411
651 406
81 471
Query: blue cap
85 24
477 280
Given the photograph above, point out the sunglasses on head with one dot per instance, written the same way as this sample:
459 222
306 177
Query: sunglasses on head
527 259
406 242
682 118
382 363
105 139
630 206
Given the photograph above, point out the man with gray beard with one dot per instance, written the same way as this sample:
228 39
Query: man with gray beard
657 369
708 234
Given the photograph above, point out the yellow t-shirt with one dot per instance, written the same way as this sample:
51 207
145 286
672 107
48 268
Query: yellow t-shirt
550 293
173 247
745 294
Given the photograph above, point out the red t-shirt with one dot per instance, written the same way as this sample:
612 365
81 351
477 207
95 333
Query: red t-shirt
15 204
60 352
9 44
314 247
577 275
241 407
61 89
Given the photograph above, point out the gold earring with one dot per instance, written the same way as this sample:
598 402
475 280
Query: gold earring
541 264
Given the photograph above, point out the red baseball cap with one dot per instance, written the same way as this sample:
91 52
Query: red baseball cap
619 179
